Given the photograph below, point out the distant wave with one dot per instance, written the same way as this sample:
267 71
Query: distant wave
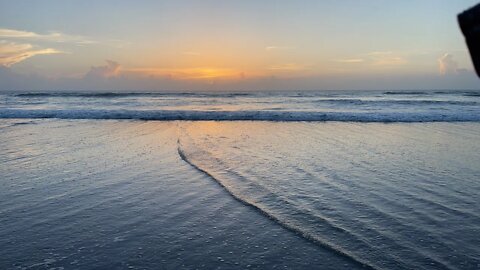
406 93
413 102
467 93
127 94
291 94
244 115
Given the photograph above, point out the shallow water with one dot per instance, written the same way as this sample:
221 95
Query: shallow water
116 194
390 196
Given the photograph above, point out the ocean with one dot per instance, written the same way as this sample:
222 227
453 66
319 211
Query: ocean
240 180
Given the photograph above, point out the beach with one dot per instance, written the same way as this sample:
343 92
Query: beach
89 194
83 195
236 135
382 180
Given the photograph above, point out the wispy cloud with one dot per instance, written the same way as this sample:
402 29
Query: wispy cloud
276 48
18 45
287 67
12 53
10 33
350 61
376 58
52 36
386 58
380 53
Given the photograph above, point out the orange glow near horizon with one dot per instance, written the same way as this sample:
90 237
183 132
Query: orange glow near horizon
200 73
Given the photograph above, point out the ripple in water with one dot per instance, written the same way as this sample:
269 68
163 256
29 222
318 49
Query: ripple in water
387 196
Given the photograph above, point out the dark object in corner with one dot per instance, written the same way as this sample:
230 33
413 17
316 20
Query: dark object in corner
469 21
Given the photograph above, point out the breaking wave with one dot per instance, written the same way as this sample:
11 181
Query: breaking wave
243 115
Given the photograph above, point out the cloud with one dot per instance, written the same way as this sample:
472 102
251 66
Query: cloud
447 65
390 61
12 53
127 81
386 58
376 58
379 53
273 48
287 67
52 36
111 69
350 61
200 73
10 33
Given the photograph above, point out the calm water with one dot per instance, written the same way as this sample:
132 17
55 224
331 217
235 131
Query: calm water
390 196
369 180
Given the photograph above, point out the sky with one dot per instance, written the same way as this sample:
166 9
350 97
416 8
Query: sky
240 45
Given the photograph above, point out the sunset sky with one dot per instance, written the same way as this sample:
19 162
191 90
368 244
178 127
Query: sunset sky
233 45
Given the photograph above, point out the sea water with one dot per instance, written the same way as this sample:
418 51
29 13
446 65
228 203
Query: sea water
300 180
356 106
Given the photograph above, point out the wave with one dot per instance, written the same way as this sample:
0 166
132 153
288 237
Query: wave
288 225
262 115
430 92
291 94
129 94
406 93
300 218
99 95
14 124
411 102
